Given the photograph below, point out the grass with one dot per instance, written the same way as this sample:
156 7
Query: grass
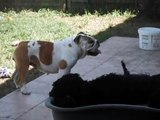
51 25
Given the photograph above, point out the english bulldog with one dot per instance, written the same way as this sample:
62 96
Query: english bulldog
58 57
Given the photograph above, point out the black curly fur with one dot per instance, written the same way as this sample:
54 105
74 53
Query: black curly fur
72 91
125 70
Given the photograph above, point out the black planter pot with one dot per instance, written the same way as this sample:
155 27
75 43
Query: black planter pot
104 112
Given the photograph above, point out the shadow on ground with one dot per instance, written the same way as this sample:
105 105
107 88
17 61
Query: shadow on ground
128 28
9 86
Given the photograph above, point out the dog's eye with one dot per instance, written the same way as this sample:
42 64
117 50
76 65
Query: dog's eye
91 42
98 43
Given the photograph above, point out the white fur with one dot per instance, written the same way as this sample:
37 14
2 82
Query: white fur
61 51
67 50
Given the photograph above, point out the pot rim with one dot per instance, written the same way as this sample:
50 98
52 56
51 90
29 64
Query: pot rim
101 106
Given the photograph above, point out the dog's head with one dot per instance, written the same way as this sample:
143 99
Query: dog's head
67 91
88 44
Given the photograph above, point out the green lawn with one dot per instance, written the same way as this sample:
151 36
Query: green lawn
52 25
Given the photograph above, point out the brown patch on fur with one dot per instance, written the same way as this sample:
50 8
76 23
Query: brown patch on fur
20 51
63 64
45 53
34 61
21 61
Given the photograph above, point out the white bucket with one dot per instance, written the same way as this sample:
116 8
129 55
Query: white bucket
149 38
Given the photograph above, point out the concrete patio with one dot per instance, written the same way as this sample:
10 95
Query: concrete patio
16 106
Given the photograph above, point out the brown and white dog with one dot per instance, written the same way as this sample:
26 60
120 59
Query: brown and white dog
58 57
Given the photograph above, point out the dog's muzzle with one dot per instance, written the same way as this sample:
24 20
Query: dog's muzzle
94 51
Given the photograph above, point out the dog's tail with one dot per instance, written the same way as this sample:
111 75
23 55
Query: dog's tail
125 70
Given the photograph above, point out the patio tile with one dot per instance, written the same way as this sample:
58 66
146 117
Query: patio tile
86 65
120 42
111 66
39 87
6 119
46 78
132 58
132 55
151 65
12 111
108 48
16 106
17 98
41 112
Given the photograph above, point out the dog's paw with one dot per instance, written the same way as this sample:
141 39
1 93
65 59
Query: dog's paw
24 91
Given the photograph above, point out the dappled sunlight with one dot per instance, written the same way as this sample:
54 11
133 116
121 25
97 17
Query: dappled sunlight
52 25
125 27
93 23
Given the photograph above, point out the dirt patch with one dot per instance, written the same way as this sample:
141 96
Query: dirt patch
7 85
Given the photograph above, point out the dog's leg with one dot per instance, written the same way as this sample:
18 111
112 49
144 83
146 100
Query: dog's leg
62 72
24 90
21 71
18 83
22 64
22 76
15 78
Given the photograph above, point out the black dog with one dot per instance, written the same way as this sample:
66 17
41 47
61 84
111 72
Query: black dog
72 91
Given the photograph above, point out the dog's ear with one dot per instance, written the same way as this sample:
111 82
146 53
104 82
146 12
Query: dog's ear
77 38
81 33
